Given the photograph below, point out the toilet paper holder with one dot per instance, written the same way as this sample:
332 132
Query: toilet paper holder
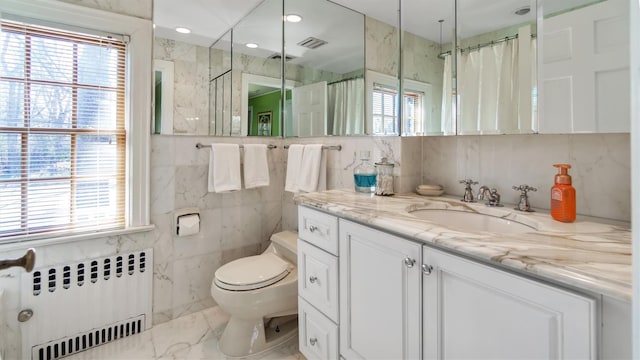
187 220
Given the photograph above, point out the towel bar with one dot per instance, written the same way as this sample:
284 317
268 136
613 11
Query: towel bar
325 147
200 146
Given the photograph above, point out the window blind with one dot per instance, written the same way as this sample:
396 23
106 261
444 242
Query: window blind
62 131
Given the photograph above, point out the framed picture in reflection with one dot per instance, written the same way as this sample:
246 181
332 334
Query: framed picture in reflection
264 123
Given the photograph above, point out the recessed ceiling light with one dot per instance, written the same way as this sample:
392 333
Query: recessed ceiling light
183 30
251 45
293 18
522 11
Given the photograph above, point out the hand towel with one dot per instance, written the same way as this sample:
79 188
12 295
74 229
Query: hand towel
294 161
224 168
256 166
310 168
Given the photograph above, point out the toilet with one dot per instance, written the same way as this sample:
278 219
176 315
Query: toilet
260 293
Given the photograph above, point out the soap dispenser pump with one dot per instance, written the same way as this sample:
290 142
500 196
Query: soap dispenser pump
563 196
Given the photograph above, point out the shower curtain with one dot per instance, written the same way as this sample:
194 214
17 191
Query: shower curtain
488 92
346 107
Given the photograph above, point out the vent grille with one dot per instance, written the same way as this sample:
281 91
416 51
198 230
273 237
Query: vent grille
73 344
312 42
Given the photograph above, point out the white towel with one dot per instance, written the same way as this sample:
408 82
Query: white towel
294 161
224 168
256 166
310 168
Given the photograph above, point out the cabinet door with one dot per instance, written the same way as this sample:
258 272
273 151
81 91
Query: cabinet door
379 294
476 311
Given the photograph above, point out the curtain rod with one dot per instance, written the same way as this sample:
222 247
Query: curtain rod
200 146
347 79
481 45
325 147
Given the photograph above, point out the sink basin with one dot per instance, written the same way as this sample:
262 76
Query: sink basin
470 221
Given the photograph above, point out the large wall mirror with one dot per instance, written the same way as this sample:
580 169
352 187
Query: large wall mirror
520 67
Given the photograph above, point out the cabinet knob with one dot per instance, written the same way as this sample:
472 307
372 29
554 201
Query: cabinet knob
409 262
313 341
427 269
313 279
313 228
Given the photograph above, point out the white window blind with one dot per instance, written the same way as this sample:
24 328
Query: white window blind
62 131
384 100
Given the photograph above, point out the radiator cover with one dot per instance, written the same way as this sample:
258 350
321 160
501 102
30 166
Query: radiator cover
77 306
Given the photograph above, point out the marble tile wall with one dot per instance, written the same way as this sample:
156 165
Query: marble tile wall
233 225
600 167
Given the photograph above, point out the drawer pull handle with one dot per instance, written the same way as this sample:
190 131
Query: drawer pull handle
409 262
313 228
313 279
313 341
427 269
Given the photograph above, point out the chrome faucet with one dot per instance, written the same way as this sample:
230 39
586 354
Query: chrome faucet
523 204
468 191
493 198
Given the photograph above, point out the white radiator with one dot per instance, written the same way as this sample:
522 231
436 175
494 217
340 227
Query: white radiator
80 305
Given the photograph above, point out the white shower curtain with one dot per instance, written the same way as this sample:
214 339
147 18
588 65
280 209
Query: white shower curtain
345 106
488 92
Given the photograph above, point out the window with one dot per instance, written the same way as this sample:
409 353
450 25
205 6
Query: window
62 136
384 102
74 121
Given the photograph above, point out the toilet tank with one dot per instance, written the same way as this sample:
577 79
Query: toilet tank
285 244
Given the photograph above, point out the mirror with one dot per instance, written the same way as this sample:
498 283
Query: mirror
163 97
220 85
427 32
324 47
584 66
256 72
496 72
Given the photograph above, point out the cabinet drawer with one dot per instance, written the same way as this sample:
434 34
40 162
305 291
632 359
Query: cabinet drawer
318 337
318 228
318 279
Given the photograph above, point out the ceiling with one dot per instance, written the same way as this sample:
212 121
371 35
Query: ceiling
210 19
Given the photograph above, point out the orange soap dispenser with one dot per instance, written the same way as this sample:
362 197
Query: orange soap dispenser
563 196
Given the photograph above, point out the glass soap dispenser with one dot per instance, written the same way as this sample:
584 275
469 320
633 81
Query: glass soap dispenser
364 175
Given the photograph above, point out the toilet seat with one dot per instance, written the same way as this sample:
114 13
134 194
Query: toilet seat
252 272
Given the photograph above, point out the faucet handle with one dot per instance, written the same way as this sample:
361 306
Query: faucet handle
468 182
524 188
468 192
523 204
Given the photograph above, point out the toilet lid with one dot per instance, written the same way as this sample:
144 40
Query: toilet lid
252 272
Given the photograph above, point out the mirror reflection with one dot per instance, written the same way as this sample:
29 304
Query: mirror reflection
426 67
584 64
496 69
324 47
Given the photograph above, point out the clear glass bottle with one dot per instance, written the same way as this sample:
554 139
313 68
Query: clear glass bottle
384 177
364 175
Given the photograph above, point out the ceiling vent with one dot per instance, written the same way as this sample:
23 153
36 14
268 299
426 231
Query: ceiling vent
277 56
312 43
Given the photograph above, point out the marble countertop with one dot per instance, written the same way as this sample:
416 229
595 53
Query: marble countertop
589 254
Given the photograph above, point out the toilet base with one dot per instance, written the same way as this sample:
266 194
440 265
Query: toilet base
243 337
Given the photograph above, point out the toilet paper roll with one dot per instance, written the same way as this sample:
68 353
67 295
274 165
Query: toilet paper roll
188 224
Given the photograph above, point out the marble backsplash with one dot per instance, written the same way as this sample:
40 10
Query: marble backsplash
600 170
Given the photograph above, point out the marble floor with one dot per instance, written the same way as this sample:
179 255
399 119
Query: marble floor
192 336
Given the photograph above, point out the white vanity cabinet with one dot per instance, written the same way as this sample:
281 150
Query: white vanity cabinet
472 310
317 284
379 294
